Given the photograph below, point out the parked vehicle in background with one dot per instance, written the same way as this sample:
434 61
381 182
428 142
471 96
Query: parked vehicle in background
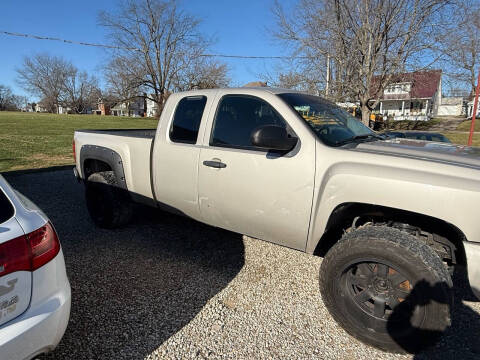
418 135
34 288
376 122
391 219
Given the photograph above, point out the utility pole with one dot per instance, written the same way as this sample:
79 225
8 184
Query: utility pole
474 113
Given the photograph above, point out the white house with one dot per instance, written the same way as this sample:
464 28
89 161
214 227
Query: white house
451 106
29 107
63 109
40 108
411 96
133 107
470 108
152 108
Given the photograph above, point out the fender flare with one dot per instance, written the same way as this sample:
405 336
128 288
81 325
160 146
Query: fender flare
108 156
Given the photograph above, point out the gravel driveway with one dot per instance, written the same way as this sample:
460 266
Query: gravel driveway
167 287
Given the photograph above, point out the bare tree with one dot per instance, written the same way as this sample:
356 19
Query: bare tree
125 79
57 82
459 43
44 76
8 101
362 43
290 79
168 44
80 91
203 73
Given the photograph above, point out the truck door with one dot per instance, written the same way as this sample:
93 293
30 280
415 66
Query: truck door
176 152
250 190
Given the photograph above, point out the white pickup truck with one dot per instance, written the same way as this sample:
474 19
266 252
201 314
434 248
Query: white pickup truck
392 218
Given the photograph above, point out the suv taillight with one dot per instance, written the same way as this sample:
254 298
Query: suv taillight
29 252
44 245
15 255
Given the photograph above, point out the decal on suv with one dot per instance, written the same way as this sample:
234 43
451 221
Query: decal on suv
4 290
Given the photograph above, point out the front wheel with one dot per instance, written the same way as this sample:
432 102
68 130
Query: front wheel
387 289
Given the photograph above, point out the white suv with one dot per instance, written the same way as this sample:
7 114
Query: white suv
34 289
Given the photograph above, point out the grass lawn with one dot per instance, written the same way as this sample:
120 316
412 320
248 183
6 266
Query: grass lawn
465 126
462 138
412 125
33 140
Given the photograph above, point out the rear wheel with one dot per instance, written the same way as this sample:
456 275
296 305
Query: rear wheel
108 205
387 289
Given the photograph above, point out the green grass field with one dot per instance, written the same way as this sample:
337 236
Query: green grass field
462 138
33 140
465 126
412 125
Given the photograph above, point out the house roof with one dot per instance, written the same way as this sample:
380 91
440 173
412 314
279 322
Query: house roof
424 84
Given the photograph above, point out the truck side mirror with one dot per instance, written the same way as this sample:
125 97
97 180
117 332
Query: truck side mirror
273 137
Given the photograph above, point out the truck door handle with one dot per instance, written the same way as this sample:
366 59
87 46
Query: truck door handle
215 164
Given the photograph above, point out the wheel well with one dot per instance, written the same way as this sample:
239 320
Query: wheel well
91 166
445 238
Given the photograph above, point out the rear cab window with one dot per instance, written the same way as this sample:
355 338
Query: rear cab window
187 118
238 116
7 210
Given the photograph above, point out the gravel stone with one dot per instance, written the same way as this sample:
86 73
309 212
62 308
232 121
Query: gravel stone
167 287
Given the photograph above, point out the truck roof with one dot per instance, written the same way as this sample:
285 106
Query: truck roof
254 89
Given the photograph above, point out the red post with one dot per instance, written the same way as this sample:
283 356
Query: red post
474 113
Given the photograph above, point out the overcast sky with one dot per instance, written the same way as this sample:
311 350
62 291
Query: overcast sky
239 26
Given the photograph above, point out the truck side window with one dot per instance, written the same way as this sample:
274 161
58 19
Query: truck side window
236 118
186 120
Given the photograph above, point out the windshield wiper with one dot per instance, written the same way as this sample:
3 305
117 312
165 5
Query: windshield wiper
359 137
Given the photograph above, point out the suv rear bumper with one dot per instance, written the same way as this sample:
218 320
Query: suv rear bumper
472 252
41 327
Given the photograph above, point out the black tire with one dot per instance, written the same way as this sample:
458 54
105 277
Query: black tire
108 205
361 282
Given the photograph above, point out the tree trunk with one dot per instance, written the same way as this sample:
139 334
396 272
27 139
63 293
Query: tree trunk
366 114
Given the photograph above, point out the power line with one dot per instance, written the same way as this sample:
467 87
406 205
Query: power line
37 37
253 57
83 43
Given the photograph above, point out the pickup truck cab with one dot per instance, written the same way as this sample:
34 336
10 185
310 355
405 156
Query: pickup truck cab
392 218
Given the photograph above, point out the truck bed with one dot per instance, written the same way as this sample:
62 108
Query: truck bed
133 146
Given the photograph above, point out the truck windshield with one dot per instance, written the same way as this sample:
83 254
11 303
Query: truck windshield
334 126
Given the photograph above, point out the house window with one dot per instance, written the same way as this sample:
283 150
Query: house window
416 106
398 88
